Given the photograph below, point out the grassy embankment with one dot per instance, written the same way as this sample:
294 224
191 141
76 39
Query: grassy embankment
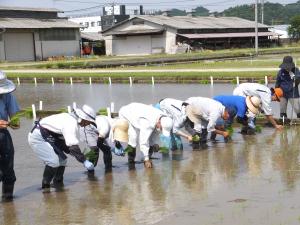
203 61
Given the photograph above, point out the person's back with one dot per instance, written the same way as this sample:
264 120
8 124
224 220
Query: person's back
252 89
235 101
63 124
175 109
206 106
135 112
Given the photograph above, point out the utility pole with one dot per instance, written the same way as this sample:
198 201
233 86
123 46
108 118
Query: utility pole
256 29
113 13
262 11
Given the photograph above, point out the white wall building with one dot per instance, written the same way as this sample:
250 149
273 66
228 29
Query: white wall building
29 34
91 24
142 35
282 30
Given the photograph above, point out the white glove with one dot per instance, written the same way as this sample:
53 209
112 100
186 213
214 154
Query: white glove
88 165
292 75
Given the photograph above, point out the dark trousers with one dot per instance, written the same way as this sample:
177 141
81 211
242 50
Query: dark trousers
7 173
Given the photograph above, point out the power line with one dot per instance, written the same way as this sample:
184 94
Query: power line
76 10
73 1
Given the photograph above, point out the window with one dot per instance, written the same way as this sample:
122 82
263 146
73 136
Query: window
57 34
86 24
92 24
98 23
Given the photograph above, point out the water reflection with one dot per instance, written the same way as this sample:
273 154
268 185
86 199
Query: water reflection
286 159
267 162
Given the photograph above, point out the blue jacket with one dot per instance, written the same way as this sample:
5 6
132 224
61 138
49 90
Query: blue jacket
285 82
8 106
237 102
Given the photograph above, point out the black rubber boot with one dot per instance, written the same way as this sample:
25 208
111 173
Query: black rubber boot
152 150
49 173
213 136
7 192
247 130
203 139
131 158
283 115
107 158
58 181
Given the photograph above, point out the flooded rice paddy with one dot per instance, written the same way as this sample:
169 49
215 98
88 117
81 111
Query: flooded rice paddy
252 180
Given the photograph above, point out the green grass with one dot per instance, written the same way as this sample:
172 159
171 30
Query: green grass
96 61
173 74
102 112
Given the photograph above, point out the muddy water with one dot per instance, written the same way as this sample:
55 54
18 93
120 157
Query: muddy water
253 180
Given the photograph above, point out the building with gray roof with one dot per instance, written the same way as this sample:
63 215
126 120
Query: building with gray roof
164 34
28 34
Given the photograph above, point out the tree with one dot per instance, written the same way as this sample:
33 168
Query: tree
201 11
294 28
177 12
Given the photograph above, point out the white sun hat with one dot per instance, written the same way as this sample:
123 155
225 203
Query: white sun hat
167 125
6 86
120 130
253 103
86 113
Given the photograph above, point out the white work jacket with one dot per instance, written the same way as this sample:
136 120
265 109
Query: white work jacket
142 118
64 124
175 110
259 90
209 111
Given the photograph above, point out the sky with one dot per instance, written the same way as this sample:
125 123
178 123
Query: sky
68 5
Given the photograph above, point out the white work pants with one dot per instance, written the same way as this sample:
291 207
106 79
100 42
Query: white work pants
44 150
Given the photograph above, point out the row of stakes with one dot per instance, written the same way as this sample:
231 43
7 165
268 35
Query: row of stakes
109 109
90 81
130 81
112 105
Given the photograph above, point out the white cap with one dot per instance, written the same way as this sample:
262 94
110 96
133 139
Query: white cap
86 113
167 125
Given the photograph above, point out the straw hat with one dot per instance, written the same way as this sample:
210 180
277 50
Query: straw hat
253 103
86 113
193 113
6 86
120 130
166 125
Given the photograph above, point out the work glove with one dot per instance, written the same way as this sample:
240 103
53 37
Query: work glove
118 151
88 165
292 75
